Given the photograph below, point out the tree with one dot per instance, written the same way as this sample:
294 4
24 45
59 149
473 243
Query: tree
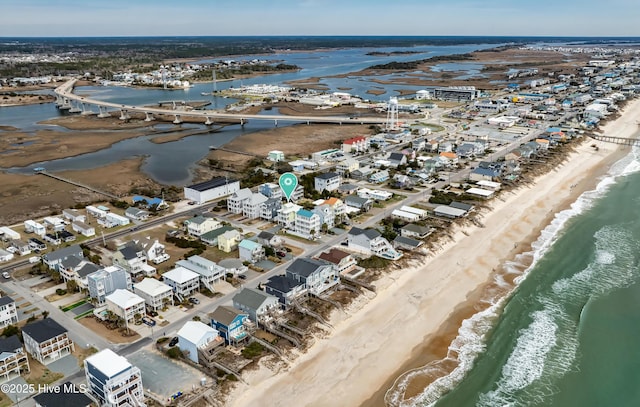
72 286
10 330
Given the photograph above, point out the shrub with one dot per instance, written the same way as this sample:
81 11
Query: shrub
174 353
61 291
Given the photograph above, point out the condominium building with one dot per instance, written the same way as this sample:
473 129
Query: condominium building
46 340
113 380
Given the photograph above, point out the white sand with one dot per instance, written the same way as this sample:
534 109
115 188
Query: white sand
368 347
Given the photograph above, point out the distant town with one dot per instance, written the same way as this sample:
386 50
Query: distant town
196 290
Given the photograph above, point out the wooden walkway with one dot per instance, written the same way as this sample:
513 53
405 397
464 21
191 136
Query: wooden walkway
79 184
616 140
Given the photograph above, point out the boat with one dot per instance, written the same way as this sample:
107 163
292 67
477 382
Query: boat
205 93
212 147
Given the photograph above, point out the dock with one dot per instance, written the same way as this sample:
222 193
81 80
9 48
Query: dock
78 184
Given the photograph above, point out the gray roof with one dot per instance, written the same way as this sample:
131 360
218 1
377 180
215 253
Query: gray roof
327 175
213 234
460 205
63 253
6 300
71 262
396 157
251 298
282 283
305 267
412 227
43 330
212 183
87 269
10 344
265 235
225 315
407 241
129 252
356 200
66 395
370 233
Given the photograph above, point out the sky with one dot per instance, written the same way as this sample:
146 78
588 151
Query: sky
78 18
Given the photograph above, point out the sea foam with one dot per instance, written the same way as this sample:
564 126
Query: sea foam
470 341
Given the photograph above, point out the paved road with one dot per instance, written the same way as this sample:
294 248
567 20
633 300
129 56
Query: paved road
65 91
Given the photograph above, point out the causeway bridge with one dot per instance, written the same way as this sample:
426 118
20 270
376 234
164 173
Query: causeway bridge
616 140
67 100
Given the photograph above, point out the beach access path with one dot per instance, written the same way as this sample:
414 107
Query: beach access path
365 350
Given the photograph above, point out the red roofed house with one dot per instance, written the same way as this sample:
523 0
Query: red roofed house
356 144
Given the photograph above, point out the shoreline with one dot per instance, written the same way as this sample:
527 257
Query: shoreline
416 306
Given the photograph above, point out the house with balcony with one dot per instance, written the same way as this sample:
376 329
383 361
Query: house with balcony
347 166
252 207
194 336
228 241
284 288
358 144
113 381
55 258
326 214
156 294
133 258
13 359
230 324
307 224
269 209
154 251
343 262
105 281
8 312
46 340
126 305
316 276
287 215
328 181
256 303
270 190
75 269
371 242
209 272
182 281
235 203
250 251
199 225
358 202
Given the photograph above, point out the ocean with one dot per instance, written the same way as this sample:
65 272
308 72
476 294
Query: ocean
568 334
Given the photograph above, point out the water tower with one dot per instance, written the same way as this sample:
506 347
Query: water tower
392 114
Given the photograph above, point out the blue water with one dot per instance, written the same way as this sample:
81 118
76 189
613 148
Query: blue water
173 162
568 334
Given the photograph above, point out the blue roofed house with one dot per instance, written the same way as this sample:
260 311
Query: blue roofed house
316 276
307 224
250 251
230 323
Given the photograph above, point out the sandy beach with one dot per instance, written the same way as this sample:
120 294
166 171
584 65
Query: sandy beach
416 308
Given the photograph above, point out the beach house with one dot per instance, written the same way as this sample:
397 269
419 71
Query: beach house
316 276
328 181
199 225
46 340
256 303
113 380
228 241
284 288
156 294
371 242
55 258
307 224
126 305
105 281
230 324
250 251
343 262
193 336
182 281
8 312
13 359
208 271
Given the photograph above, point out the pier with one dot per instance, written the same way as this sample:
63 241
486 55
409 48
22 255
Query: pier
616 140
79 184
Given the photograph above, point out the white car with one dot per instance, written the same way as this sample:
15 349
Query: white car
6 275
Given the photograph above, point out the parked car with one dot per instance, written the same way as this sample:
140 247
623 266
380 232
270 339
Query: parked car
194 300
242 276
149 321
173 341
6 275
281 253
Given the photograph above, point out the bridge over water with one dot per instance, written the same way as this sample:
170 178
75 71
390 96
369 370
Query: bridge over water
67 100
